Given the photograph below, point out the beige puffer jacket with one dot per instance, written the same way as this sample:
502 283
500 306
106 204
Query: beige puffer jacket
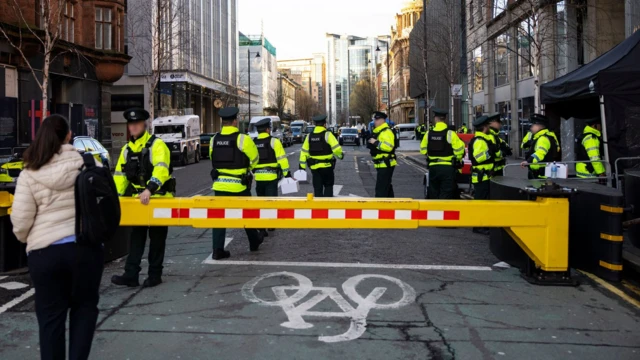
43 209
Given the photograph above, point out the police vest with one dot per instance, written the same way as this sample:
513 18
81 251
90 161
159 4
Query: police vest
318 146
492 152
139 168
226 154
438 145
552 154
265 151
374 151
581 151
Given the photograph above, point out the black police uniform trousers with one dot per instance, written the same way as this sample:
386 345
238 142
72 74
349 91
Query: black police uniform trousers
482 190
323 180
442 182
219 234
66 278
157 246
384 187
267 188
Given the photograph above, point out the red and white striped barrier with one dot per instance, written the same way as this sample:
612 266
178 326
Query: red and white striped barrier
305 214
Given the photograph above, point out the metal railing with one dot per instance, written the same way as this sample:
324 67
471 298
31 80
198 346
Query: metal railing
607 166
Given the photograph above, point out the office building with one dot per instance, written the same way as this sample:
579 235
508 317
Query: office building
258 63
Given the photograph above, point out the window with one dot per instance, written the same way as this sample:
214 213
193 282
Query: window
471 13
501 55
67 31
499 6
524 58
478 73
103 28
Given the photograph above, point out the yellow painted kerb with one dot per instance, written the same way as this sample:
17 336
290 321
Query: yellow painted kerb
609 266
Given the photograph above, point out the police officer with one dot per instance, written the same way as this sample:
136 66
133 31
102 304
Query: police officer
589 147
502 148
143 171
483 154
422 130
382 147
273 163
527 141
232 156
463 129
318 152
544 148
444 151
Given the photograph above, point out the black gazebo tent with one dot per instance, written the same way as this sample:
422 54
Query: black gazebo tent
609 86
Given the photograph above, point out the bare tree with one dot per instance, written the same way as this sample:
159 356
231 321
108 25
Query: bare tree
46 34
281 98
153 29
305 105
363 100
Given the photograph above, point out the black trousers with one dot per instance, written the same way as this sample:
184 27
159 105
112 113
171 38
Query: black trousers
384 188
66 279
442 182
157 246
323 180
219 234
482 190
267 188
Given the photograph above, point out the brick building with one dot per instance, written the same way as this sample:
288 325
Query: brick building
87 58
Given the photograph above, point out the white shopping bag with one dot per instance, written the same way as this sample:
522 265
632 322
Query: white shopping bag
289 186
301 176
561 171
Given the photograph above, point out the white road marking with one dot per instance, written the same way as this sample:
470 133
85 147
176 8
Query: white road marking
349 265
337 189
291 153
358 316
355 161
17 300
227 241
13 285
3 277
179 168
352 195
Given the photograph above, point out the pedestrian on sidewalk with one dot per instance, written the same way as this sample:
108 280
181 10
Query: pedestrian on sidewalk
66 275
143 171
272 165
233 156
319 151
382 147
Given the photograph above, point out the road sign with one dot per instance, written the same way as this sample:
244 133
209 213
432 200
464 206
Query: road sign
456 89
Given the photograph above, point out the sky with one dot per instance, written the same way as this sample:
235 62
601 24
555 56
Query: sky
297 28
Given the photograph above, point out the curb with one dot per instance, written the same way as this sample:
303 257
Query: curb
414 160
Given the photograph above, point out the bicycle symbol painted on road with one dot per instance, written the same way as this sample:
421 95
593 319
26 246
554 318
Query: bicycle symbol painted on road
296 310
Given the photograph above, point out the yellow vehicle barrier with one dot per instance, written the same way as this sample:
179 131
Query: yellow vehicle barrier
540 227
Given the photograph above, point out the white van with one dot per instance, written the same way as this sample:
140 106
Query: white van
407 131
182 136
276 127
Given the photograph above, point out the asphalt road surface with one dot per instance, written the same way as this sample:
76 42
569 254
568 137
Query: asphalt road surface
324 294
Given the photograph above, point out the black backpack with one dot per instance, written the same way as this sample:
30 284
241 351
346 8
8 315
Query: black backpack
97 204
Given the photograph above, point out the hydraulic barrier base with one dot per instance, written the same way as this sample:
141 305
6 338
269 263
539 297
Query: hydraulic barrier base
540 227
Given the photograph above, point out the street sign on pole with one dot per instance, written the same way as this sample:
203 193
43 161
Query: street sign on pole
456 90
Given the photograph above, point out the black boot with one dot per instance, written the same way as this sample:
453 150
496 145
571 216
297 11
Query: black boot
124 281
272 230
255 246
152 281
264 233
219 254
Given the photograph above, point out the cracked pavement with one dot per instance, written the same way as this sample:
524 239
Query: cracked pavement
202 310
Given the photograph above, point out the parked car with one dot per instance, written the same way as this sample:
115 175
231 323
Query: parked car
205 140
407 131
86 144
349 136
298 130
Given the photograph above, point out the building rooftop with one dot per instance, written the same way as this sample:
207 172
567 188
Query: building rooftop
256 40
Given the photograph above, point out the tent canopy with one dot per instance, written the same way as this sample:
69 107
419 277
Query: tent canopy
615 72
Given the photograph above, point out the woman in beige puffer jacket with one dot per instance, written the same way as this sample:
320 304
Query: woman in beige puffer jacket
66 275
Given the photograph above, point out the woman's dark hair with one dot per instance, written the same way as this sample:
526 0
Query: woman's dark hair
49 138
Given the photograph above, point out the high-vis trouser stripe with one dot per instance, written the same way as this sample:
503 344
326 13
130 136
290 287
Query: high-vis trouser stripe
307 214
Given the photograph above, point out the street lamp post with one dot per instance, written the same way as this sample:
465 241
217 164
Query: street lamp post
388 77
249 72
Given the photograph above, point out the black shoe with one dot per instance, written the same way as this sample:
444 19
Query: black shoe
255 246
271 230
264 233
481 231
124 281
152 281
219 254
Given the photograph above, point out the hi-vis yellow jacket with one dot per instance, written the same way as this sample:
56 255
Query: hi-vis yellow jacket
248 147
264 172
